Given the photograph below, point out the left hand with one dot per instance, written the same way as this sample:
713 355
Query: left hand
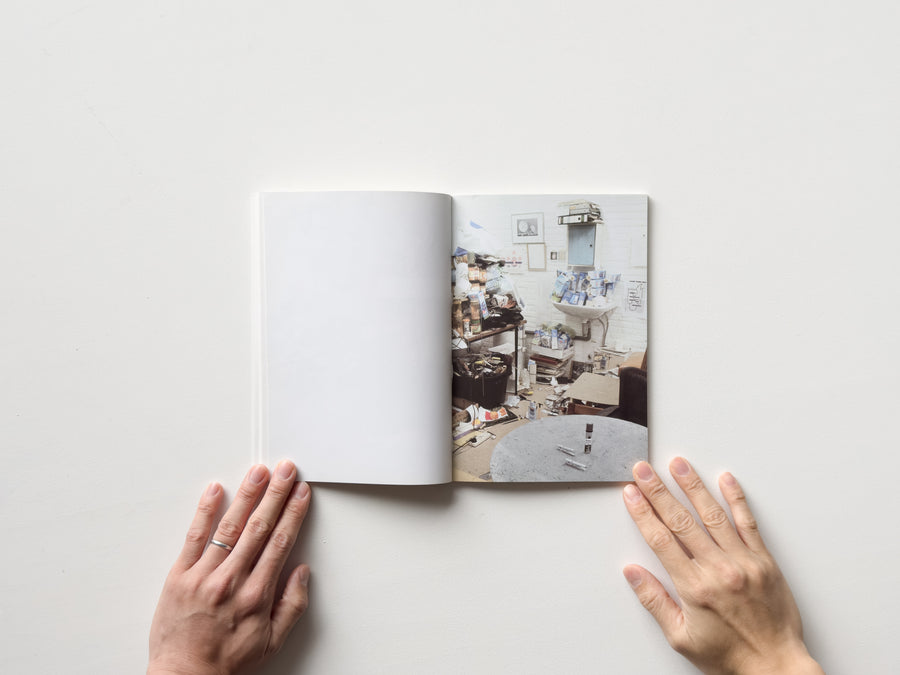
218 612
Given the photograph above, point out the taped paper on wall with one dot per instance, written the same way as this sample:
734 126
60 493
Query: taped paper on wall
636 298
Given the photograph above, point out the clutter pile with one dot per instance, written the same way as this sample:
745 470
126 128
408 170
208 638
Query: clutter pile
481 378
554 336
479 392
476 365
556 403
483 299
552 353
584 288
605 360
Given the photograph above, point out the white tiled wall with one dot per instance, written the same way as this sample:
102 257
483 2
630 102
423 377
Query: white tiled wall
620 249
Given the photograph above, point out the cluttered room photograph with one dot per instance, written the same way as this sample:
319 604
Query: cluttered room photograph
549 337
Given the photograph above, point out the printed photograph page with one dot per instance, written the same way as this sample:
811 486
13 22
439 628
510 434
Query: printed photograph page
548 337
355 375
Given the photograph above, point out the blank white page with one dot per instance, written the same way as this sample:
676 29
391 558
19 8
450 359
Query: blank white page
355 377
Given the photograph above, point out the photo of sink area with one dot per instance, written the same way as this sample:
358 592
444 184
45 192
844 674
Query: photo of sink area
586 314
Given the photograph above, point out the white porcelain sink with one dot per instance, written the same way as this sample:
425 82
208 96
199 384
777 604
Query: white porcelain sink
586 314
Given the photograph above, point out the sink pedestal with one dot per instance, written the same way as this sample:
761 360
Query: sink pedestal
586 315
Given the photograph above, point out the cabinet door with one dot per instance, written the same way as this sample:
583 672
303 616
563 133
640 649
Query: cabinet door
581 244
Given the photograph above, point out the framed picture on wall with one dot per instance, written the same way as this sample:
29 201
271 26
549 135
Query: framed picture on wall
537 257
528 228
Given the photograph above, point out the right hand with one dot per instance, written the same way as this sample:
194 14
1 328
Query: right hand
737 614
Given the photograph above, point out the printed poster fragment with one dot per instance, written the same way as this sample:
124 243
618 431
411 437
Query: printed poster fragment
636 298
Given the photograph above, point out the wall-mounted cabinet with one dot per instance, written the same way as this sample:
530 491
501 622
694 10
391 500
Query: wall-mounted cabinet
582 239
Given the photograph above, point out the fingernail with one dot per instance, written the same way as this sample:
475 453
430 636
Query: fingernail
633 576
285 469
632 494
257 474
212 489
304 575
643 471
302 491
680 467
728 479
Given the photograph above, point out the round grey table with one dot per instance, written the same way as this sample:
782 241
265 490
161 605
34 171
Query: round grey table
530 453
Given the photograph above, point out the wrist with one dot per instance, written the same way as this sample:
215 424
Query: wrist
796 661
181 669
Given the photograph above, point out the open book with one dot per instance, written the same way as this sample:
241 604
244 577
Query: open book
417 338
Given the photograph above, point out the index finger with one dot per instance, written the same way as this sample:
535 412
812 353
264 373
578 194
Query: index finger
657 535
673 513
711 513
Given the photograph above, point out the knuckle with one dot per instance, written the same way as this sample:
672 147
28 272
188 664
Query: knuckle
228 530
769 566
738 499
748 524
660 540
651 602
732 578
220 589
281 542
254 597
693 484
735 581
259 527
189 584
299 602
196 536
641 510
297 508
681 522
700 594
657 490
760 574
280 489
246 493
715 517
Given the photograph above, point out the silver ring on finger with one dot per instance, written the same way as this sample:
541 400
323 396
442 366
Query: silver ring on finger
221 544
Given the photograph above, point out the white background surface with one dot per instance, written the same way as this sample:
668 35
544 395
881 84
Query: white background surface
134 140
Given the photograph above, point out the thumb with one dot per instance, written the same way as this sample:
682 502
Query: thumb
655 599
291 606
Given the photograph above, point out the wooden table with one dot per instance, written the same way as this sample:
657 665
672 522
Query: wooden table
529 453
